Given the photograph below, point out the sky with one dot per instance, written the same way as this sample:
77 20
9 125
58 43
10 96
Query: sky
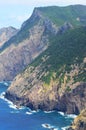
15 12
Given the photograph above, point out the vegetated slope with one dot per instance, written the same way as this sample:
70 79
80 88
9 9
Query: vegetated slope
74 14
6 34
32 39
56 79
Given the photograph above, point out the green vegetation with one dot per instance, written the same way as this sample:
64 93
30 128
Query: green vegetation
75 14
81 77
64 50
68 89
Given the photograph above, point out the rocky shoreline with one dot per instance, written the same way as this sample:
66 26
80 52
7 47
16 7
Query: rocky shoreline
70 102
79 122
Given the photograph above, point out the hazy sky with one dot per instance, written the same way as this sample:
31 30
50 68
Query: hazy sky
14 12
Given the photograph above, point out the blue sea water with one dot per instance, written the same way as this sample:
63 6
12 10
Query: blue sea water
12 118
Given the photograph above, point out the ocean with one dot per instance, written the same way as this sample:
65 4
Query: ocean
12 118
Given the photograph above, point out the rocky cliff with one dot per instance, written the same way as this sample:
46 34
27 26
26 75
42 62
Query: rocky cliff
29 42
79 122
6 34
33 37
56 79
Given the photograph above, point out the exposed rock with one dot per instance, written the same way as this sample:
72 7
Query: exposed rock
16 57
16 54
6 34
29 91
79 122
74 101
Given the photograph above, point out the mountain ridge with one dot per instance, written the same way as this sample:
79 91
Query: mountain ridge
56 77
6 33
32 39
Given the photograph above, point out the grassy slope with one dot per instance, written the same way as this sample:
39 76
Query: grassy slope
64 50
59 15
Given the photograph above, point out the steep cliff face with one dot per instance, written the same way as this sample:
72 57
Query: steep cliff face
79 122
6 34
16 57
56 79
30 41
33 37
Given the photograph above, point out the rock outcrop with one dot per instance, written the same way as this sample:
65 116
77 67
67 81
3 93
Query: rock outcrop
73 102
41 97
6 34
79 122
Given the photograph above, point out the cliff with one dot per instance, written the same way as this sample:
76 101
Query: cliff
53 40
56 80
79 122
34 36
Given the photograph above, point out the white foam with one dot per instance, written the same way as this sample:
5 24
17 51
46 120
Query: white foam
29 113
48 111
33 111
61 113
2 95
68 115
11 105
65 128
71 116
5 83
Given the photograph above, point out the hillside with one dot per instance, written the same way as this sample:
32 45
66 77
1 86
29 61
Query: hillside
56 80
33 37
6 34
74 14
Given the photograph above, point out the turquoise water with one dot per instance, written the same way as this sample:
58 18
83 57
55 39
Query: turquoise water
12 118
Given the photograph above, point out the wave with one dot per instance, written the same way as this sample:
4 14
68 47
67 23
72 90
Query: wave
2 95
29 113
61 113
65 128
71 116
6 83
10 104
48 111
68 115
